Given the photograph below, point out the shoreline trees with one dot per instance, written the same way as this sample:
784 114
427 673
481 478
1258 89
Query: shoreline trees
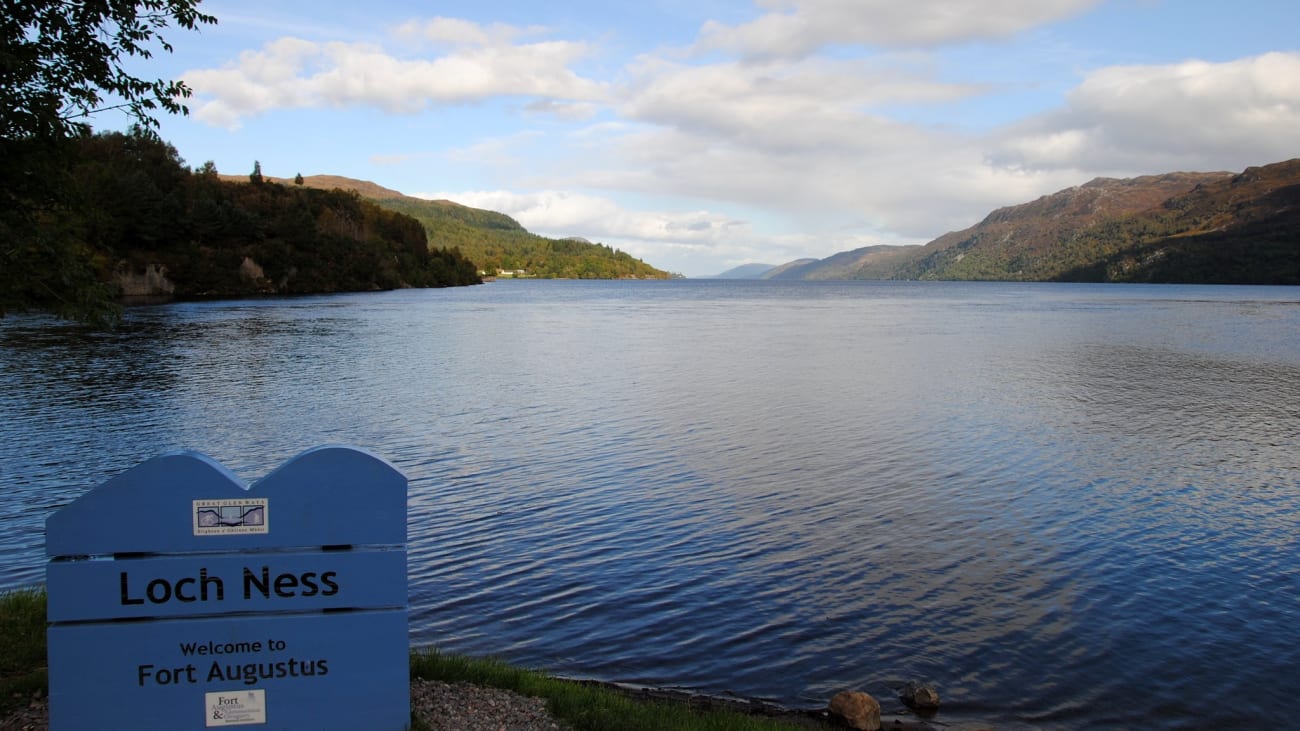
63 63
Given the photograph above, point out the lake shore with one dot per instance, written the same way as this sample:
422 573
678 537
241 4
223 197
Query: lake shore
452 692
461 706
434 704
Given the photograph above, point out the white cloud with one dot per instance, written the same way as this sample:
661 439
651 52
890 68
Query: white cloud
494 151
694 242
810 145
563 213
294 73
813 141
458 32
808 139
796 28
564 110
811 104
1193 115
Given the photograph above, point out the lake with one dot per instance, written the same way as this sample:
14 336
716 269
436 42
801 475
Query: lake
1066 506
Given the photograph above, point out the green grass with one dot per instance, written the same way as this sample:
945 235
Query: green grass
22 646
584 707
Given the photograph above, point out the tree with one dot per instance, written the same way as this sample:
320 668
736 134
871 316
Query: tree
297 179
256 176
62 61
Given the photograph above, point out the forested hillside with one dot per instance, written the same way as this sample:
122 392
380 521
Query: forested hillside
494 241
159 229
1241 229
1041 240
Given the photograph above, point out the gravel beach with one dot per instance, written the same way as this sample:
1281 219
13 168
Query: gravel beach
441 706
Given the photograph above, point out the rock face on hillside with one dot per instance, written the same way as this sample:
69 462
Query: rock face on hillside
151 281
1179 227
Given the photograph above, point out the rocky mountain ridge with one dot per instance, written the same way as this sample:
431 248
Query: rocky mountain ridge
1215 227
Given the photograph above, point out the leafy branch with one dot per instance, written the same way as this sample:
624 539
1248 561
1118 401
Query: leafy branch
61 59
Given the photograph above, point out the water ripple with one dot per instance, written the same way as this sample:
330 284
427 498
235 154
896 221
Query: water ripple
1069 507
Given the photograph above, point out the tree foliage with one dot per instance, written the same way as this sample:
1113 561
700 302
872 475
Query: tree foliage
143 210
62 61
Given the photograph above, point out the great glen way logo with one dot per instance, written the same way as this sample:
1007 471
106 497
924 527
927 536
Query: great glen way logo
231 517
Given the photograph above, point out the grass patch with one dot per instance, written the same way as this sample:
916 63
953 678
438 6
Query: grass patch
22 646
584 707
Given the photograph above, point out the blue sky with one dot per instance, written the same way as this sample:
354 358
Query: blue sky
704 134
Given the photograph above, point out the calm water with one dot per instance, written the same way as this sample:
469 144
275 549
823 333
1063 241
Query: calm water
1067 506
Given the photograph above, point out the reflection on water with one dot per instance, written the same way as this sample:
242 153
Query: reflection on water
1067 506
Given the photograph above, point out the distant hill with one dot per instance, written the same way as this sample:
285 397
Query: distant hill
1179 227
778 272
745 271
494 241
870 262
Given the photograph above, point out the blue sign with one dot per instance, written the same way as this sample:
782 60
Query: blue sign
180 598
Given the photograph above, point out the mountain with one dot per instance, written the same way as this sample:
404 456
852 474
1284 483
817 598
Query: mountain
494 241
778 272
363 188
745 271
869 262
1179 227
1046 238
1241 230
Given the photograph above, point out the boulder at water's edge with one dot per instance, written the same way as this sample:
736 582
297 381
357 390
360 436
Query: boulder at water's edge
857 709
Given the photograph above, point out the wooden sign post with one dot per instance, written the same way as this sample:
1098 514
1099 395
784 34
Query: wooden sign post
180 598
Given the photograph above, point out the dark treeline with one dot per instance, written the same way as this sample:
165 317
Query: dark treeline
135 204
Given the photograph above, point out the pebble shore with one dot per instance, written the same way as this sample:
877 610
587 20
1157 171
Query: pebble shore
465 707
441 706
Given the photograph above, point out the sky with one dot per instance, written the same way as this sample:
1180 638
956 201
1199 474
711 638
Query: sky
699 135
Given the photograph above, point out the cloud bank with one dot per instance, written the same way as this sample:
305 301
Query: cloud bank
1161 118
796 117
484 63
797 28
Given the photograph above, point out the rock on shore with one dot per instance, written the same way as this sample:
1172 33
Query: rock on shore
857 709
